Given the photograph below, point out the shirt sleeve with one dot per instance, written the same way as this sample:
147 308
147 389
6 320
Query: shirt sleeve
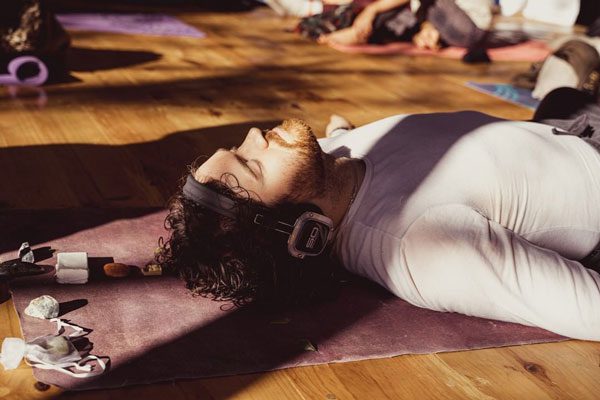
460 261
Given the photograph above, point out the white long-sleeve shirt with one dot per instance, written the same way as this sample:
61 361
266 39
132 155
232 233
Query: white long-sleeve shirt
468 213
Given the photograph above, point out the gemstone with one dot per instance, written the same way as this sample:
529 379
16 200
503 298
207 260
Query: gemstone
44 307
116 270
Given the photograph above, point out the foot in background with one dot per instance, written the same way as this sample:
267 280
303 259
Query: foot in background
337 125
347 36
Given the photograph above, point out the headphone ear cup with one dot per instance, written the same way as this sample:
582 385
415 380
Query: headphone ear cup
311 235
308 235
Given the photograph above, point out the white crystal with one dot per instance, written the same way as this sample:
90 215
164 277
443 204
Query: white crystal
13 350
44 307
25 253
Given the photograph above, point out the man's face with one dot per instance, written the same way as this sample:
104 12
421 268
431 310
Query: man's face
284 163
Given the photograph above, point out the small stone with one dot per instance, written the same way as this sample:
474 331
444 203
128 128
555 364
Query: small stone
41 386
44 307
117 270
25 253
307 345
59 346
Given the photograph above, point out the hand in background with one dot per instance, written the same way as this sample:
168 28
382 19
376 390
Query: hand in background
358 33
428 37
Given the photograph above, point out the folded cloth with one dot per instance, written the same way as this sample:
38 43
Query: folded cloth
72 268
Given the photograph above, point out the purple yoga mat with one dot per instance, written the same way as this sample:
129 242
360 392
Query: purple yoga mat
154 330
142 24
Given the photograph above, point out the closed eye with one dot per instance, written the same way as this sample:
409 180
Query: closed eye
258 164
245 163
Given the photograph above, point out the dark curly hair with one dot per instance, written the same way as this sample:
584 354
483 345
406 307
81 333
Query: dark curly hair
239 261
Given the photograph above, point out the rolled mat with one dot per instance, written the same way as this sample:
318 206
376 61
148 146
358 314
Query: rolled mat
153 329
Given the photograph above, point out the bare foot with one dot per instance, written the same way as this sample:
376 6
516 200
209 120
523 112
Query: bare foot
347 36
428 37
337 122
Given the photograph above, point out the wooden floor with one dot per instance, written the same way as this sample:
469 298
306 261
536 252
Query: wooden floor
140 109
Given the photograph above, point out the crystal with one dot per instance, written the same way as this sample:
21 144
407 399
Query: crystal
25 253
44 307
116 270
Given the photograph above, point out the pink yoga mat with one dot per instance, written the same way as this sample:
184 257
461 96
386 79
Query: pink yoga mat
154 330
531 51
136 24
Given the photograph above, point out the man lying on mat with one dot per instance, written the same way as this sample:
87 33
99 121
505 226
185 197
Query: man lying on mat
459 212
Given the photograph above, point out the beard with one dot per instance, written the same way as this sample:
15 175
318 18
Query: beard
310 179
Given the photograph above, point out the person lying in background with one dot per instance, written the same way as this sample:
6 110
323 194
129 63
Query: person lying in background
575 63
429 24
456 212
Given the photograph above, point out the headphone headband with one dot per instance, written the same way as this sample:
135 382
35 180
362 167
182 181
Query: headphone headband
308 236
207 197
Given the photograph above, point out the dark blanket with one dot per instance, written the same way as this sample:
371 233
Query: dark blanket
154 330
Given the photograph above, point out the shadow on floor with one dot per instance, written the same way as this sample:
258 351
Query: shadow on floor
89 60
105 176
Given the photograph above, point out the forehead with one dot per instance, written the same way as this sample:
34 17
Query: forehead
220 163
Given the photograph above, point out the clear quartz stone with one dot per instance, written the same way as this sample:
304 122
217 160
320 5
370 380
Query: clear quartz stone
44 307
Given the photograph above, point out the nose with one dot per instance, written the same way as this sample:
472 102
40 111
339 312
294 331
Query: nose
256 139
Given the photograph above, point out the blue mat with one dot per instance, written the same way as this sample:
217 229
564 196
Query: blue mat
507 92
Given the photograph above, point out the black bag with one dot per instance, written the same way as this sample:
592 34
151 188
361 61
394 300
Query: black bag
28 28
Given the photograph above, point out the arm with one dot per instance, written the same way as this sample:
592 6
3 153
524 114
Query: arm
457 260
362 27
381 6
363 24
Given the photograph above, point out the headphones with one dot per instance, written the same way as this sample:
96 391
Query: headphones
309 235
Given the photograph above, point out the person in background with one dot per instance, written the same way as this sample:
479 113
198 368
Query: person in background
429 24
